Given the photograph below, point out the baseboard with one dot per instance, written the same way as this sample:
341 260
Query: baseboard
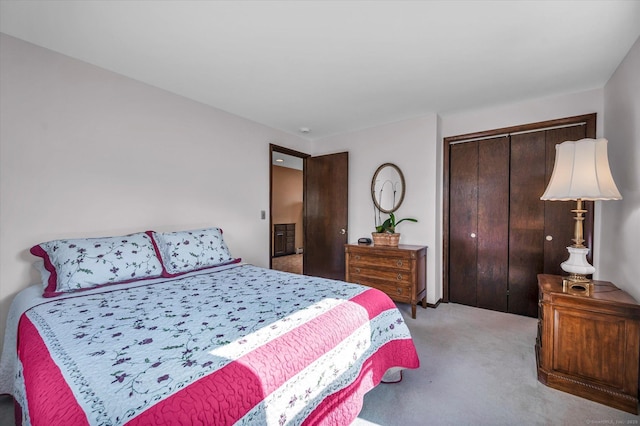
434 305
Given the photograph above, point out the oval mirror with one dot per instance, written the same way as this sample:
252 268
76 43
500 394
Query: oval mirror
387 188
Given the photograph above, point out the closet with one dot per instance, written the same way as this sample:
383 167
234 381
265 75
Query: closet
498 233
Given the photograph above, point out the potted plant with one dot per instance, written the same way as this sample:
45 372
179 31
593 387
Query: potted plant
386 234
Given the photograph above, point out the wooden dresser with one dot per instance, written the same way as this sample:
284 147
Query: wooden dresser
401 271
588 344
284 239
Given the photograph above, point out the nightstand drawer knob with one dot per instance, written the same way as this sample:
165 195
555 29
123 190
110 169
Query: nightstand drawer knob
357 270
357 257
398 290
399 277
399 262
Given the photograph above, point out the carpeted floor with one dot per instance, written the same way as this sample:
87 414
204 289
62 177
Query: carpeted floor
289 263
477 368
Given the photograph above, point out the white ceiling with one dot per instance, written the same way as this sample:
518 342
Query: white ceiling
336 66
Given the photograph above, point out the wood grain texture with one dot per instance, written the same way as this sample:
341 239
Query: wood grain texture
589 344
463 216
471 268
326 183
526 217
493 224
400 272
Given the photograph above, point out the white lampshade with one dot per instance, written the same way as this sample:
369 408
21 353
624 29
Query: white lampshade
581 172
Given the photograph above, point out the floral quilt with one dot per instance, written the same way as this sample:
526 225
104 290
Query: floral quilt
244 345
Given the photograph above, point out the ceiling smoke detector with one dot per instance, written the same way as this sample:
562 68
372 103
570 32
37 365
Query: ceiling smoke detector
305 130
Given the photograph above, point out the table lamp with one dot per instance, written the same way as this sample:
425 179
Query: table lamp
580 173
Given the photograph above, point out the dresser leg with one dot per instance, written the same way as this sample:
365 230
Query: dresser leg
413 310
424 302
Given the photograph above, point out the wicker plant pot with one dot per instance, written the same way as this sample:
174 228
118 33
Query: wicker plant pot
385 239
380 238
394 239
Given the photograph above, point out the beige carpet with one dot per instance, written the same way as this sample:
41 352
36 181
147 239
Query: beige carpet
477 368
290 263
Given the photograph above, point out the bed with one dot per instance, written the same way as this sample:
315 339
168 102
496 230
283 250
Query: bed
192 336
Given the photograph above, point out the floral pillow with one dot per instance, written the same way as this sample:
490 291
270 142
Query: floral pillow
80 264
44 274
187 251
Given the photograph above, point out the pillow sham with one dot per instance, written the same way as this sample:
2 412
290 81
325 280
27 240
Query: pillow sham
186 251
78 264
42 271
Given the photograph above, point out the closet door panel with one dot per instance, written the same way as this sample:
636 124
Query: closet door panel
526 217
493 223
463 193
558 217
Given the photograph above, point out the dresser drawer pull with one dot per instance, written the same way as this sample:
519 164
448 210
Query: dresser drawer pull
398 290
357 270
356 257
399 262
399 277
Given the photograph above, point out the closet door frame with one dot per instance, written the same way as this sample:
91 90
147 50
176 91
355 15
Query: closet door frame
589 121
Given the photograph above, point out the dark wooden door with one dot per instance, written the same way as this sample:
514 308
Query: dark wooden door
493 223
540 231
526 217
516 236
326 181
463 211
479 223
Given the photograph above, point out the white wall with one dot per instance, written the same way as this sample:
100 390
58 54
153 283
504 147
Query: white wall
86 152
620 227
412 146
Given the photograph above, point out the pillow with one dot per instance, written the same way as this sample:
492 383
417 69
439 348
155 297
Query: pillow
186 251
42 271
80 264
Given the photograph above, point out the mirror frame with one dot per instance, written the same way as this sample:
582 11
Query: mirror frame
373 188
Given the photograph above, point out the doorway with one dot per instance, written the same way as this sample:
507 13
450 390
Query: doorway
287 209
324 214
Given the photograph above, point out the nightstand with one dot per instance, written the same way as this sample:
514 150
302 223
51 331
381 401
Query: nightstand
588 343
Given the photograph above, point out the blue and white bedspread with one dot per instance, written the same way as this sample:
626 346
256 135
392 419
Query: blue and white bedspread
241 345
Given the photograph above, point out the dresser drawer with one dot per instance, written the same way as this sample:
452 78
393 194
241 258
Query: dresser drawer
381 275
397 291
399 271
387 262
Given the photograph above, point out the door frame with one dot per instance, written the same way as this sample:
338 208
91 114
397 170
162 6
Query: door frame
589 120
281 149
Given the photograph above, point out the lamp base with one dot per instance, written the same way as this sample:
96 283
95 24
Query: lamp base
578 285
578 268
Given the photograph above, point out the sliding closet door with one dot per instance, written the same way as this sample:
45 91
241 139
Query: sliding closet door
526 217
479 223
540 231
500 235
493 223
463 210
